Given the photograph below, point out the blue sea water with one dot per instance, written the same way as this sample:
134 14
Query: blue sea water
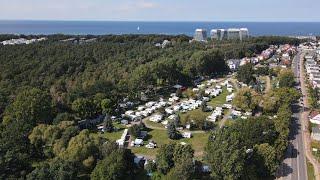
170 28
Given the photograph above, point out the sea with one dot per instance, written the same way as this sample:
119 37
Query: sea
28 27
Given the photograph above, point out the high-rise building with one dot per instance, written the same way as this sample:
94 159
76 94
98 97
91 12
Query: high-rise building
214 34
244 33
200 35
231 34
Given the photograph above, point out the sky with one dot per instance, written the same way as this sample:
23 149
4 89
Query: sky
162 10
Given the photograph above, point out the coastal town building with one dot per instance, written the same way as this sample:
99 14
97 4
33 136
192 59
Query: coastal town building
200 35
22 41
315 135
230 34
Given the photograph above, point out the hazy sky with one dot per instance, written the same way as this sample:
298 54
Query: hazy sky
162 10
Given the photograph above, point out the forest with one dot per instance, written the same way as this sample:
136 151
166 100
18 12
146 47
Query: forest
45 88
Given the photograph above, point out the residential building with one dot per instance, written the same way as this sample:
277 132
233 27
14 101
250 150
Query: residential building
231 34
222 34
233 64
315 119
244 33
200 35
315 135
214 34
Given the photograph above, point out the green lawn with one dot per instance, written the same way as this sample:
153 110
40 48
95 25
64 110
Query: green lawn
219 100
198 142
194 113
114 135
153 124
229 122
315 144
310 171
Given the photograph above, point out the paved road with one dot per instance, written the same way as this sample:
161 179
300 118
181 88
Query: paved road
294 166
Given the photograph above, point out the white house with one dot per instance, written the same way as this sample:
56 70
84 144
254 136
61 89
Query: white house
227 106
187 135
315 119
233 64
168 111
151 145
122 140
137 142
315 135
156 118
230 97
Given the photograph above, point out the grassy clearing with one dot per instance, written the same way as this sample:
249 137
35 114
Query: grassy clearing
194 113
310 171
215 102
153 124
229 122
114 135
219 100
198 142
316 145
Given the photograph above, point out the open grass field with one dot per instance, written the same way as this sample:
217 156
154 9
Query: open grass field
316 145
198 142
310 171
214 102
153 124
219 100
114 135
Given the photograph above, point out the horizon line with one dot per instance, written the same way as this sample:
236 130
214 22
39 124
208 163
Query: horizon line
173 21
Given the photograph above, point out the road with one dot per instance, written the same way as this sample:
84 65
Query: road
294 165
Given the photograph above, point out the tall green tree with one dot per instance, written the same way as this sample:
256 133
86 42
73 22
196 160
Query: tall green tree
107 124
57 169
246 99
112 167
266 160
32 106
83 149
183 170
286 79
225 155
84 108
135 130
164 158
15 150
245 73
51 140
107 106
172 131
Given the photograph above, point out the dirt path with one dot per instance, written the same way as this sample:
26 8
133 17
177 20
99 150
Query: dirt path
234 83
225 118
268 84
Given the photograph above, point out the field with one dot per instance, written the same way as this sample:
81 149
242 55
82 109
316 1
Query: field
198 142
219 100
310 171
199 139
114 135
153 124
316 145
